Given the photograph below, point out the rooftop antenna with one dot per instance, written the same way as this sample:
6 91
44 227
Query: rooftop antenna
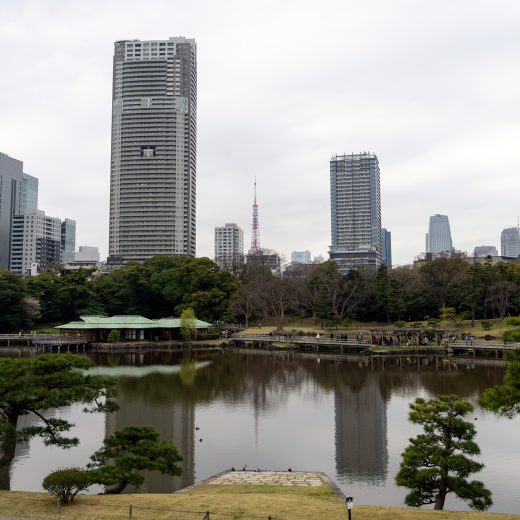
255 235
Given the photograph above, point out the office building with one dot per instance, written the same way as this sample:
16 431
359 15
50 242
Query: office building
355 211
484 251
301 257
229 246
68 241
35 242
438 238
386 248
13 201
510 242
153 159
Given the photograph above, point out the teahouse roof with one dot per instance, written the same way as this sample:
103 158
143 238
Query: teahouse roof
127 322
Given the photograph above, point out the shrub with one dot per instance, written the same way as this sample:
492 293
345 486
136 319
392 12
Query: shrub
512 336
434 323
514 321
486 324
400 324
66 483
114 336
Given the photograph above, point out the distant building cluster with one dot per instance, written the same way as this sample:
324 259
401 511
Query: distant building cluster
30 240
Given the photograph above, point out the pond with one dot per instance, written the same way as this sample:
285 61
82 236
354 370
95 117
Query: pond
280 411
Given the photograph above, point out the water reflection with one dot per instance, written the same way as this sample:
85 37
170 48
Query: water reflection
275 410
361 430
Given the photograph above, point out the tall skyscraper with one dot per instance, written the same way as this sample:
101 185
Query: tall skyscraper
386 247
68 241
229 246
510 242
438 238
355 211
153 163
18 194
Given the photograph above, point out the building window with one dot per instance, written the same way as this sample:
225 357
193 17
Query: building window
147 151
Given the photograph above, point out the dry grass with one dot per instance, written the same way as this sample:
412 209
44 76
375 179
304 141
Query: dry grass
233 502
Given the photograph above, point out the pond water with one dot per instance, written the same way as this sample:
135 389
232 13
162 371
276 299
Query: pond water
275 411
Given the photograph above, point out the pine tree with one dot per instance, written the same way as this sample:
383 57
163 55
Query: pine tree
436 462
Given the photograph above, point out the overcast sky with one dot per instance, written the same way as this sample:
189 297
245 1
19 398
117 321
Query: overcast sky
433 88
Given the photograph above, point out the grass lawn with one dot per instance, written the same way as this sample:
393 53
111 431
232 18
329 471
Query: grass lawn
237 502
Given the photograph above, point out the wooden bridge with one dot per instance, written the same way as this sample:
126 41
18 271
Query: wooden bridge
44 342
327 344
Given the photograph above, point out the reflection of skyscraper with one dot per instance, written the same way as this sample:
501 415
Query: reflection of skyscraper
173 419
361 431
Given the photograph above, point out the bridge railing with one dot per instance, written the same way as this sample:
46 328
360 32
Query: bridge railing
325 340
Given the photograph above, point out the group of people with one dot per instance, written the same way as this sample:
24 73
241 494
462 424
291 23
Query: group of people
468 340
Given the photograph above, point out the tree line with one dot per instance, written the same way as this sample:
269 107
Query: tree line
165 286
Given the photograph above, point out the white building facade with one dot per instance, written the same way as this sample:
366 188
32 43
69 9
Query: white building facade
35 242
229 245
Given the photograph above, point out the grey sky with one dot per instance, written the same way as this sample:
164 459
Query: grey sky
433 88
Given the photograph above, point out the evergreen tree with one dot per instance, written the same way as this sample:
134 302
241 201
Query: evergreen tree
30 386
436 462
129 451
505 399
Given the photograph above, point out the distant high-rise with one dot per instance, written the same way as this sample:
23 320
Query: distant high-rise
355 211
510 242
153 163
386 248
68 241
18 194
229 246
301 257
29 193
35 242
483 251
438 238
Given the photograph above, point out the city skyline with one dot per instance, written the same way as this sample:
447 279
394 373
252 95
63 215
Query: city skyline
421 120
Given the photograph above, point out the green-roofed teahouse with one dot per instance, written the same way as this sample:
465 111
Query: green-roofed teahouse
131 328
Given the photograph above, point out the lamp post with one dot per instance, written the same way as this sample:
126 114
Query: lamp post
350 504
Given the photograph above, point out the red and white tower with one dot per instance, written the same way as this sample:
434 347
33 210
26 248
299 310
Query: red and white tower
255 235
